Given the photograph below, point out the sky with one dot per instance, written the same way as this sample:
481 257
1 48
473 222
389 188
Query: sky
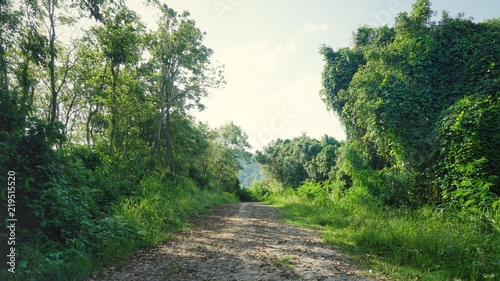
270 53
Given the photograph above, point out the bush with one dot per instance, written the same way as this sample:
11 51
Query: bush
312 191
259 191
245 195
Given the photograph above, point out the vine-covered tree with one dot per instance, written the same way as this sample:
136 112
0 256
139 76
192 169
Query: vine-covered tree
398 89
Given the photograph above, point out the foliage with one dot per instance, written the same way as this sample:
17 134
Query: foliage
98 132
162 206
413 192
138 221
183 72
467 167
261 190
419 104
311 191
291 162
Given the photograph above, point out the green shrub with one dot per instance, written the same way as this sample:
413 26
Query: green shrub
259 191
312 190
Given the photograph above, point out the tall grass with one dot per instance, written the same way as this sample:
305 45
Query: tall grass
153 215
161 208
427 243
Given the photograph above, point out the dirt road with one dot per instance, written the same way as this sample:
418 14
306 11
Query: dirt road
243 241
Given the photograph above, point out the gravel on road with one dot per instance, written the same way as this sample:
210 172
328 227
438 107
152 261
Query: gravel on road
244 241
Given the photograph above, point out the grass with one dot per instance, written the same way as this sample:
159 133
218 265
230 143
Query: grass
424 244
147 219
285 263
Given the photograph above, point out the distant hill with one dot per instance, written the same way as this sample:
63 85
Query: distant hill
251 171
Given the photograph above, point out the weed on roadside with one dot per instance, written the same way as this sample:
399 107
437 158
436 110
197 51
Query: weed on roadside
286 264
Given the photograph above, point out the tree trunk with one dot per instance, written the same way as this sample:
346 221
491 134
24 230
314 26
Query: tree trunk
168 137
156 142
4 78
52 52
125 148
114 100
87 125
169 91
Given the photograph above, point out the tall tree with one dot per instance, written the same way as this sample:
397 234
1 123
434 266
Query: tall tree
230 144
11 112
120 38
41 46
184 72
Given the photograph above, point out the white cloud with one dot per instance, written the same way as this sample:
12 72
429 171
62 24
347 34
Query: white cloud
262 99
313 28
307 30
302 99
254 61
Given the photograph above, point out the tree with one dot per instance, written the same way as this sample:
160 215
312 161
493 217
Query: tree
337 74
235 139
392 101
9 24
47 12
321 167
291 162
120 39
125 94
229 146
184 72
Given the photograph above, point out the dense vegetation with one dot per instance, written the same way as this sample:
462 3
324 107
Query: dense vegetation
415 189
420 106
98 133
103 156
291 162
